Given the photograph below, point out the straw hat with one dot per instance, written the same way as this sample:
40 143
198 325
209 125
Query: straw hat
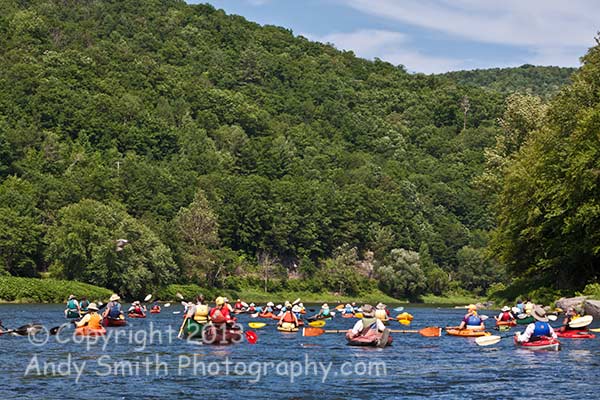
367 310
381 306
296 309
540 314
71 297
219 301
325 306
288 304
93 307
505 309
115 297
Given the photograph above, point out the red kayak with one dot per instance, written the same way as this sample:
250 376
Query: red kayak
155 311
136 315
372 339
348 315
114 322
544 343
220 335
575 334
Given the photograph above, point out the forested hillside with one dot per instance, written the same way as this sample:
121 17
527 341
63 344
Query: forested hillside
536 80
229 154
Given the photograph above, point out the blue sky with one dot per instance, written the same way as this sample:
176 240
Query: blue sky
434 36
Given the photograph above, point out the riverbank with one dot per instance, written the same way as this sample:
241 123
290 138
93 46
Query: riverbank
33 290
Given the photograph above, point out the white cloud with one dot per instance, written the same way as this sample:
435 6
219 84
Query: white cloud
257 2
389 46
539 23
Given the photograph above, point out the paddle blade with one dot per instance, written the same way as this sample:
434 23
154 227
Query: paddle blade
251 337
312 331
317 324
255 315
167 305
176 312
339 307
296 301
431 331
552 317
147 298
256 325
487 340
358 315
515 310
179 296
581 321
595 330
399 309
484 317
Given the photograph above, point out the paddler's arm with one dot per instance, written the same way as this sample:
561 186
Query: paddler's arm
357 328
525 336
380 326
83 321
552 333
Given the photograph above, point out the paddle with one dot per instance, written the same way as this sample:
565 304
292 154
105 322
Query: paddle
22 330
179 296
54 331
581 322
181 327
167 305
430 331
399 309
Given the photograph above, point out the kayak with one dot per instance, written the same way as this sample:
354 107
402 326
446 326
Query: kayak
506 323
136 315
372 339
157 311
220 335
348 315
466 332
193 329
287 327
266 315
525 321
404 316
575 334
545 343
85 331
114 321
319 317
72 314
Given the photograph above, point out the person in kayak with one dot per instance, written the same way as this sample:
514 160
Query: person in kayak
520 306
348 309
114 310
200 311
92 319
472 320
220 314
324 312
288 319
268 308
505 315
570 315
72 306
381 312
529 306
155 306
137 308
252 308
238 306
83 305
367 323
537 329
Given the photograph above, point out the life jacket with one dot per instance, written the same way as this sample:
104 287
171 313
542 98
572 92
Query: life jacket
325 312
251 309
381 314
114 309
238 306
138 310
201 314
72 305
289 317
95 321
349 310
473 320
541 329
258 309
221 318
84 305
369 323
505 316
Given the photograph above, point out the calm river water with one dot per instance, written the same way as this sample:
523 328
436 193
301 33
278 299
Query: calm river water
145 360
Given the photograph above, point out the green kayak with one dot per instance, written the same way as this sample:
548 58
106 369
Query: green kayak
193 329
525 321
72 314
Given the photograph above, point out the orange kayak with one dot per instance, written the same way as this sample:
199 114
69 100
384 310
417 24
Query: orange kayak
85 331
348 315
506 323
266 315
466 332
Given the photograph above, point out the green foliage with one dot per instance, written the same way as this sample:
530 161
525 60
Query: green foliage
403 276
47 290
592 290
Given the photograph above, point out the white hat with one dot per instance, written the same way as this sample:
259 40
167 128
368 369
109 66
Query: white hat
270 304
93 307
115 297
252 304
380 306
505 308
325 306
278 306
296 309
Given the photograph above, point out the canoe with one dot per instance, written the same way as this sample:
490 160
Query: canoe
545 343
114 321
575 334
72 314
506 323
348 315
193 329
135 315
371 339
85 331
466 332
525 321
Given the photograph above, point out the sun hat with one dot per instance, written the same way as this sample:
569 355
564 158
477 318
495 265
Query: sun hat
347 305
225 299
219 301
288 304
93 307
540 314
115 297
472 307
71 297
367 310
325 306
296 309
381 306
252 304
270 304
505 308
279 306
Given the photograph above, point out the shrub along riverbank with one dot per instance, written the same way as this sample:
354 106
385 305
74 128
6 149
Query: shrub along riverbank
33 290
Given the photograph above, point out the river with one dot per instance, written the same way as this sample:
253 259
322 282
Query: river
146 360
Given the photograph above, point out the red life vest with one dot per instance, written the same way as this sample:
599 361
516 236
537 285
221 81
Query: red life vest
505 316
289 317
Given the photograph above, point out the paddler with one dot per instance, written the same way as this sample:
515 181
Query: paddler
72 306
381 312
200 311
84 304
529 306
348 309
367 323
268 308
570 315
323 312
113 308
220 314
537 329
155 306
505 315
137 308
288 319
471 320
252 308
238 306
92 319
